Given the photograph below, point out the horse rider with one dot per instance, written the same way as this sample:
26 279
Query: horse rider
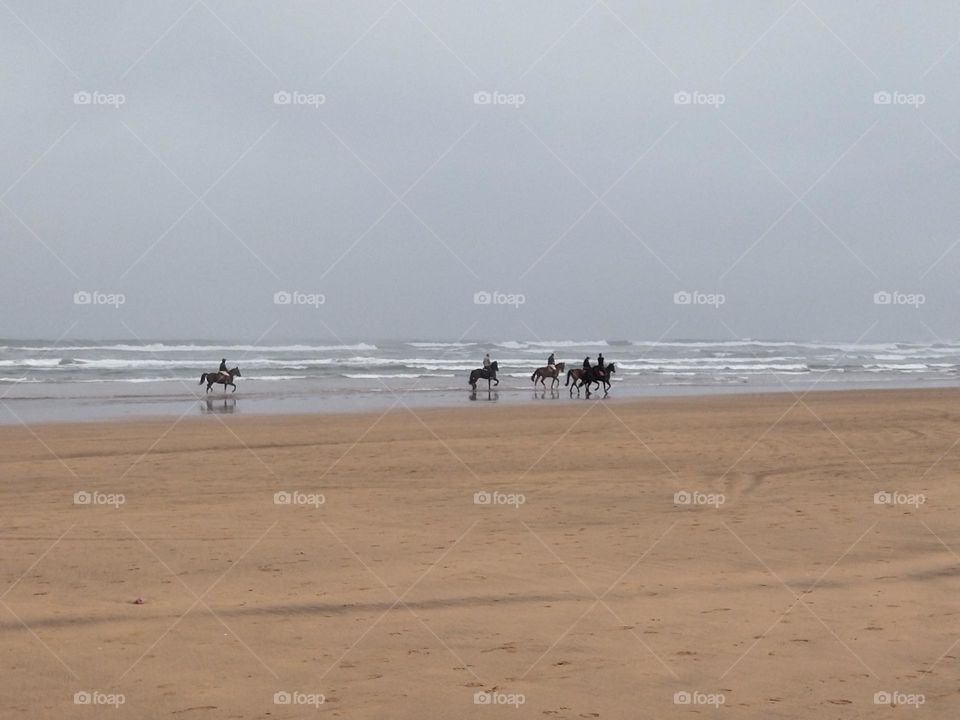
486 361
223 368
600 365
552 362
586 364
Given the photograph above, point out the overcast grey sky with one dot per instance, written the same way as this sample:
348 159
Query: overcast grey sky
786 186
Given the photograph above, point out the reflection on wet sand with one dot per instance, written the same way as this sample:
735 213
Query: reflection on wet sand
542 394
219 406
491 395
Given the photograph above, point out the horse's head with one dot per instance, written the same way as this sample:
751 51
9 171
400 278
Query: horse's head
561 367
494 366
235 372
610 368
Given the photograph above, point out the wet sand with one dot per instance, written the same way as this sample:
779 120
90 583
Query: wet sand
577 584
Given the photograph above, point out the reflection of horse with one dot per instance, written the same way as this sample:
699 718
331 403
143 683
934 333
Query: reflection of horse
225 405
487 374
492 395
221 378
548 372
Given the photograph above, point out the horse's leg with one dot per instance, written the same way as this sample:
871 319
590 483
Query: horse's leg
234 387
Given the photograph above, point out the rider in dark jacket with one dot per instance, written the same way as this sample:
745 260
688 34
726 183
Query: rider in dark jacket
586 364
551 361
223 367
600 365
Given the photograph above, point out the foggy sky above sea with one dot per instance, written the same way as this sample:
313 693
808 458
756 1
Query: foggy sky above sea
427 169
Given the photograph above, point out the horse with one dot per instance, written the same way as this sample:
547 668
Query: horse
217 377
577 375
487 374
586 378
591 377
548 372
608 370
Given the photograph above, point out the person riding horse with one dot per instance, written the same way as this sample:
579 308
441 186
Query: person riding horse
488 366
600 366
552 362
223 368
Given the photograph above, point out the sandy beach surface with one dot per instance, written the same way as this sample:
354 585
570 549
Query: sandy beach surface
683 557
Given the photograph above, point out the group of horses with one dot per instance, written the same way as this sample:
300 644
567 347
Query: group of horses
582 377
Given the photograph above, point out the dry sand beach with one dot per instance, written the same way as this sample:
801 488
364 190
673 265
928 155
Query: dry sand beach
602 595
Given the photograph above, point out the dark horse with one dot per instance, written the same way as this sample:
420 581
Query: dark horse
548 372
487 374
222 378
586 378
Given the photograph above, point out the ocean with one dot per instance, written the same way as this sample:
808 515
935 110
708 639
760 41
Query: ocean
88 380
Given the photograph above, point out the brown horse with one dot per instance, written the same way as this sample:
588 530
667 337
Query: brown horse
548 372
223 378
577 375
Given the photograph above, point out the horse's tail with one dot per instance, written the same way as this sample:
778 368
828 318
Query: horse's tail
569 373
534 376
203 379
